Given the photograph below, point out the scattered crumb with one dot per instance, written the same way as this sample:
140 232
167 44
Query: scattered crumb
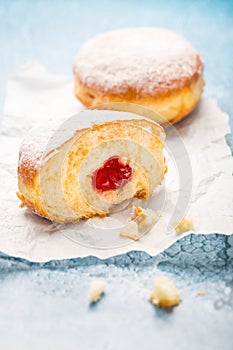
21 198
140 219
136 212
143 217
184 225
130 231
164 293
201 292
96 290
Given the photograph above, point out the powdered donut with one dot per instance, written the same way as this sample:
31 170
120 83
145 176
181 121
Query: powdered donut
150 67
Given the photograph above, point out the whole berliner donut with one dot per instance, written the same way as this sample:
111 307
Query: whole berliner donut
150 67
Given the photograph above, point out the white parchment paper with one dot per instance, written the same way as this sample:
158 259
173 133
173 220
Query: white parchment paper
35 96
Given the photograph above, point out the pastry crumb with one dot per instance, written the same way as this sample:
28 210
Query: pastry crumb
21 198
184 225
143 217
130 231
164 293
96 290
201 292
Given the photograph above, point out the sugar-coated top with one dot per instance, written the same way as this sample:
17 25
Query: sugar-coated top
139 60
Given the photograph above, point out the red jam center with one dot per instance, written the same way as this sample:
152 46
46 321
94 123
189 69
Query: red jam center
113 174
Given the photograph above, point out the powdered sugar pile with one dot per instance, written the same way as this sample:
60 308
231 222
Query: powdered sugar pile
145 60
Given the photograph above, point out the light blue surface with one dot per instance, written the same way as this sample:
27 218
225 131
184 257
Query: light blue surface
45 306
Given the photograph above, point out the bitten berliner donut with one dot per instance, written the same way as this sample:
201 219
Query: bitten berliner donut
150 67
84 169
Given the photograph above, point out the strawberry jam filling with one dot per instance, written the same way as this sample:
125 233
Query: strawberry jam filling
112 175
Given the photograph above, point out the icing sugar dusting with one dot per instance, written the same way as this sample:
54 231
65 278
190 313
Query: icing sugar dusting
147 60
43 141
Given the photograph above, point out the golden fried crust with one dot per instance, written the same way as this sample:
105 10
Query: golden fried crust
35 207
171 107
27 170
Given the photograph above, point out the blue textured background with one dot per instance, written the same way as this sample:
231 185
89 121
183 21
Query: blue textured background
44 306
